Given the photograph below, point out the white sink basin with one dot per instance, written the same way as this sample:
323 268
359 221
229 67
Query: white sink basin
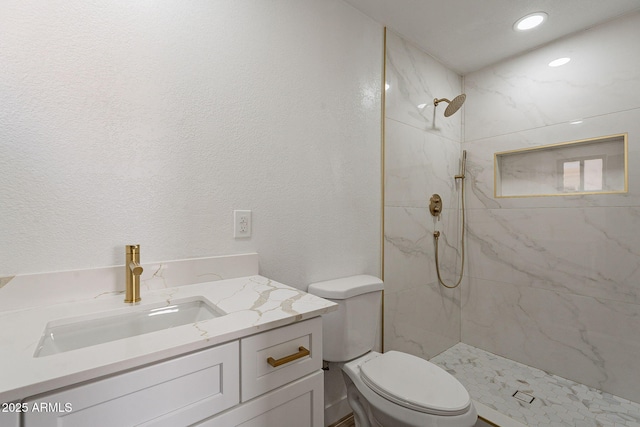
70 334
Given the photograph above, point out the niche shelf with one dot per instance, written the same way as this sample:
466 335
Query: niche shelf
588 166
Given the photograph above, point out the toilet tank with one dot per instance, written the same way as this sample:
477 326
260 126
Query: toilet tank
350 331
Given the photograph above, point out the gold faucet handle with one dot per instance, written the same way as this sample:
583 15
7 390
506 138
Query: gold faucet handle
134 260
136 269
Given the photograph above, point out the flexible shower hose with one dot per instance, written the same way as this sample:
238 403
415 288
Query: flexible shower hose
436 235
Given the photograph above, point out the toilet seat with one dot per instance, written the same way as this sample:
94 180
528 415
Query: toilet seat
415 383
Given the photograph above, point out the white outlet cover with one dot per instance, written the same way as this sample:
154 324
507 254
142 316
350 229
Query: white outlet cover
241 224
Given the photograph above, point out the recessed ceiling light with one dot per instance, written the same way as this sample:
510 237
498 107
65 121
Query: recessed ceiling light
530 21
558 62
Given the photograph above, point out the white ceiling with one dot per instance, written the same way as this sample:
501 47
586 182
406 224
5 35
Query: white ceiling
467 35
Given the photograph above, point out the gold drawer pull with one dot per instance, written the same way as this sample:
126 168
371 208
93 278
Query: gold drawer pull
302 352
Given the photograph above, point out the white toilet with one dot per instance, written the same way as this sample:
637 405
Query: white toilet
393 389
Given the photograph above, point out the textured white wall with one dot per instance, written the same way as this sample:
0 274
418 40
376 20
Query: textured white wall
554 282
149 122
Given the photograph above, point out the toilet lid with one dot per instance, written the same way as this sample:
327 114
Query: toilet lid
415 384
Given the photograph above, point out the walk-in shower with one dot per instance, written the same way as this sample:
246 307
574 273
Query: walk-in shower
436 209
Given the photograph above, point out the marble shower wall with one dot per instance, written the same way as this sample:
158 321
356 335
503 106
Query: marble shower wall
554 282
422 153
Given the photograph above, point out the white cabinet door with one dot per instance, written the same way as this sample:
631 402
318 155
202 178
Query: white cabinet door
297 346
298 404
190 388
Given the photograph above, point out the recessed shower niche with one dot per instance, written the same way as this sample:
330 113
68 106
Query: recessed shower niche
589 166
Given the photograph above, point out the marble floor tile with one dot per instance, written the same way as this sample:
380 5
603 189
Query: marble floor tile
492 380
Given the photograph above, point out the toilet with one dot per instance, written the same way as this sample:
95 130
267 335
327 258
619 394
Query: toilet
391 389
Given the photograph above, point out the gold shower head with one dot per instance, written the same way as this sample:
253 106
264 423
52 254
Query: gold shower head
454 105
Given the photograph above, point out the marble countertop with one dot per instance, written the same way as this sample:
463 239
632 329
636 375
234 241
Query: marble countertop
252 304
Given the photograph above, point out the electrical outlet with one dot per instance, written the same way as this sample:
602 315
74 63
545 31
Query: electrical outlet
241 224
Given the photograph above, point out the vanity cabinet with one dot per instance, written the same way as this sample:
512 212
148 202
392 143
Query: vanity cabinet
233 384
299 404
191 388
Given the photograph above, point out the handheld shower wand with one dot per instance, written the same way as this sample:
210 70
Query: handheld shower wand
436 234
463 168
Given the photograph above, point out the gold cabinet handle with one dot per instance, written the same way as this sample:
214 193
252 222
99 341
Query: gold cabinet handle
302 352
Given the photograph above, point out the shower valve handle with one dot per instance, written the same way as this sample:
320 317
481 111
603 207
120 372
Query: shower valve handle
435 205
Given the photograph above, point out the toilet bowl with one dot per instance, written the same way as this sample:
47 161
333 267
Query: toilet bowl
400 390
392 389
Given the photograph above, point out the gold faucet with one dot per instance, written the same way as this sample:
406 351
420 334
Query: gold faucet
132 270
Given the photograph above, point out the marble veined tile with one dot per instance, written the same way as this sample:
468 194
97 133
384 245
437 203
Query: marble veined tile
586 251
5 280
422 317
423 320
419 164
525 93
590 340
480 161
409 247
415 78
492 380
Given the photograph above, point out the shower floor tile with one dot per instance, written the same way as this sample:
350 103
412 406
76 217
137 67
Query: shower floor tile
492 380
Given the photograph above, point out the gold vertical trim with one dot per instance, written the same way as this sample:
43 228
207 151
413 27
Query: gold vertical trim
495 176
626 162
382 173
